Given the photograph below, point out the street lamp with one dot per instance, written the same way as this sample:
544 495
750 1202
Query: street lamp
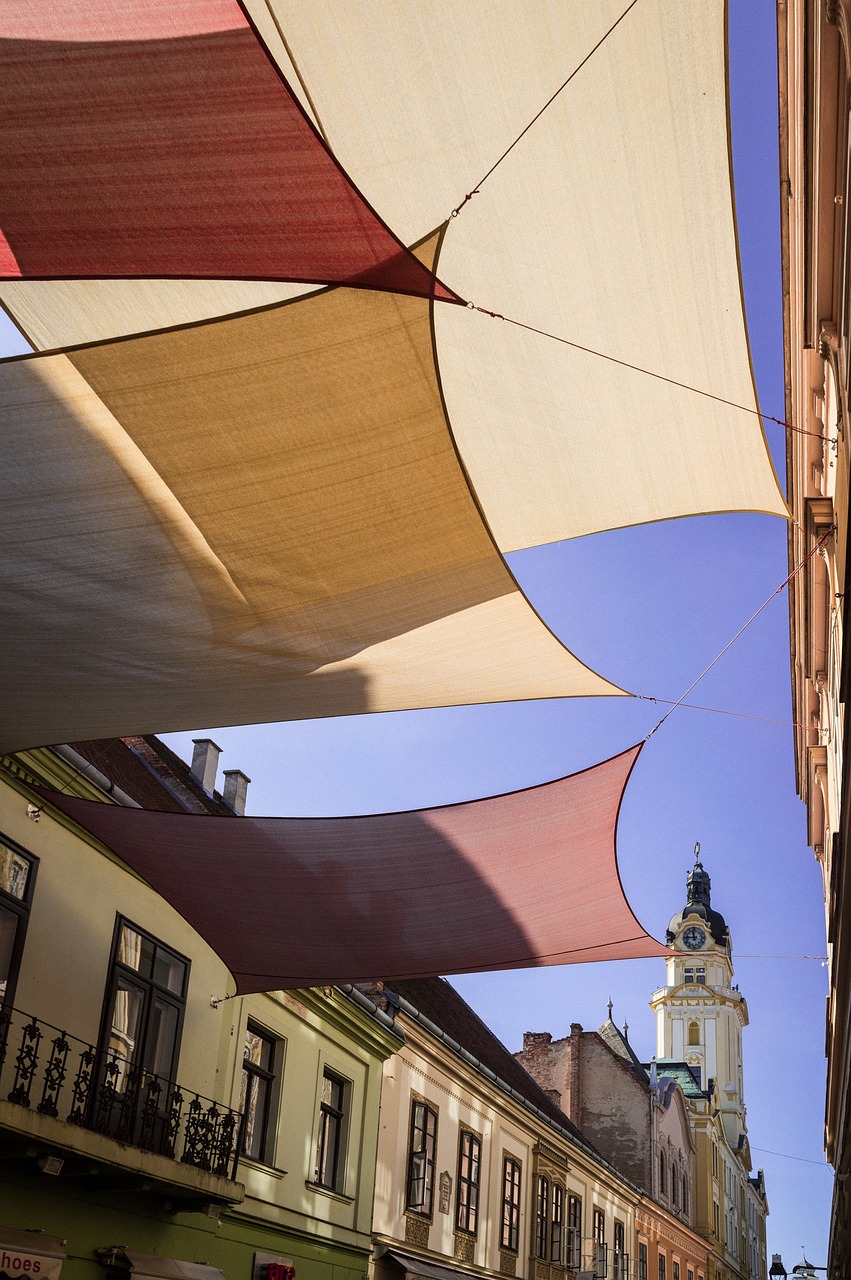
777 1270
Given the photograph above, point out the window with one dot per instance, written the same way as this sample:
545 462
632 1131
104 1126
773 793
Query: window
510 1204
599 1234
690 1274
542 1218
17 881
574 1232
675 1185
696 975
663 1265
329 1145
144 1007
620 1259
663 1174
694 1033
420 1195
469 1160
642 1262
255 1094
556 1226
685 1199
675 1271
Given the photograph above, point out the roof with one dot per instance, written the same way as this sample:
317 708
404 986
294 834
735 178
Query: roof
438 1001
682 1073
616 1041
151 774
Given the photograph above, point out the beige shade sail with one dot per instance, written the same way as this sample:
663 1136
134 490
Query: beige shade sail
262 518
64 313
512 881
609 224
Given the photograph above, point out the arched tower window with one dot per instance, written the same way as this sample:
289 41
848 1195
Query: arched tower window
694 1033
663 1174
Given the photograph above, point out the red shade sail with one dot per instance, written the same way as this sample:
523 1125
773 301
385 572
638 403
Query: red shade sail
148 142
519 880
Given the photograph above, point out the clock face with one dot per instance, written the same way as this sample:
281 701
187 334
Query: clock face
694 937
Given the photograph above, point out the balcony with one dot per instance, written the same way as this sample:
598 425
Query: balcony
94 1102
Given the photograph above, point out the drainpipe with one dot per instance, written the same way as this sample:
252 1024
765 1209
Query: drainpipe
91 774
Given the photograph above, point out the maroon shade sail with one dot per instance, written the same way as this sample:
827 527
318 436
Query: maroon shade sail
155 139
512 881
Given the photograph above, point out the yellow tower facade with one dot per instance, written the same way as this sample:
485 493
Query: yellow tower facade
700 1016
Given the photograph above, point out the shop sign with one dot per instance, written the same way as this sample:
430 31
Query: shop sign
267 1266
17 1262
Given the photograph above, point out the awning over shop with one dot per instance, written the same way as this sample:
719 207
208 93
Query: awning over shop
149 1266
512 881
417 1267
31 1254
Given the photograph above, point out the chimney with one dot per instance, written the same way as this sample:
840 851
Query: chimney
205 762
574 1073
532 1039
235 790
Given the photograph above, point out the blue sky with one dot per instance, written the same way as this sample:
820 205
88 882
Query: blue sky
648 608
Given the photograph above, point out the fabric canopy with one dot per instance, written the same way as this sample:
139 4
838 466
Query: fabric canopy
518 880
238 531
156 139
298 508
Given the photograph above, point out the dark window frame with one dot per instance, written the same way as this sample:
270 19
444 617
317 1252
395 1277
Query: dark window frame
542 1218
642 1262
152 990
469 1179
598 1235
557 1225
512 1173
20 908
620 1257
573 1256
331 1134
423 1121
663 1266
256 1076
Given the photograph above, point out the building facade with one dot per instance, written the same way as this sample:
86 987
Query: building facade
638 1119
151 1123
814 58
480 1174
700 1016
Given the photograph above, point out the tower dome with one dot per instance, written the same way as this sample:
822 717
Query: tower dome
698 903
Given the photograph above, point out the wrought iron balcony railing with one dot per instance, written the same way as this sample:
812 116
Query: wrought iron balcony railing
55 1074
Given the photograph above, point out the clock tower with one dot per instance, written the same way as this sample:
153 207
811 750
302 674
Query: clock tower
700 1013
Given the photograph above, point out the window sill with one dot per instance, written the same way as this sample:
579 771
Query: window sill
329 1192
260 1167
